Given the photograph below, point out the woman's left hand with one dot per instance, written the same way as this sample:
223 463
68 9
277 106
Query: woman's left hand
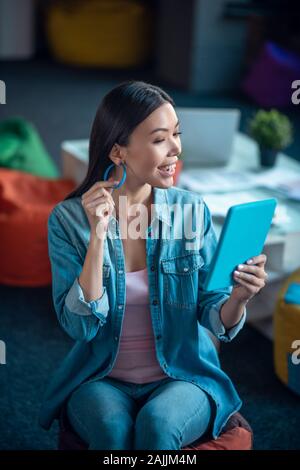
251 278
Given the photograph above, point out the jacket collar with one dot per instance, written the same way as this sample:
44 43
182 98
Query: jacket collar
161 208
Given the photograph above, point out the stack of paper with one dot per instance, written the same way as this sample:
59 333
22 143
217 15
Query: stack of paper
219 204
286 182
216 180
283 180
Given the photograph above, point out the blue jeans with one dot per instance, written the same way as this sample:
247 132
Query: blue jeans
111 414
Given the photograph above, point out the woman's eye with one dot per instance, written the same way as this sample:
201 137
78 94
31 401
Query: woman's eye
158 141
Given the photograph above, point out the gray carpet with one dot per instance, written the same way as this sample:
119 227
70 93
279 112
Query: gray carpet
36 344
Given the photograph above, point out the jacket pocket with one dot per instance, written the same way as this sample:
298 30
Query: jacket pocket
180 280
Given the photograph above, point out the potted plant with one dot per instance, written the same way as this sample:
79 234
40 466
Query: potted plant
272 131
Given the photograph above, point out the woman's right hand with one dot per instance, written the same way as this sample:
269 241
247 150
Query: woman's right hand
99 205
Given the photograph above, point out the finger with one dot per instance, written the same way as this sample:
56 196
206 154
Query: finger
99 193
259 272
258 260
100 184
97 202
97 186
101 196
108 197
102 210
110 189
248 278
107 194
252 289
103 213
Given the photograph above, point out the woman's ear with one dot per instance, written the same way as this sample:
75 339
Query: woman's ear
117 154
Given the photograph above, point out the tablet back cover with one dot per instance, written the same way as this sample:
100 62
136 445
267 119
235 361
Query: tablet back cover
243 236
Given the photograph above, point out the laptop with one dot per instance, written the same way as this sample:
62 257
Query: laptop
207 135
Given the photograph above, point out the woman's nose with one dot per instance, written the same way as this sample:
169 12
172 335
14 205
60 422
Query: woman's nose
175 150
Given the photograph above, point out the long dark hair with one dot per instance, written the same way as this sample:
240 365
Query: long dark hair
119 113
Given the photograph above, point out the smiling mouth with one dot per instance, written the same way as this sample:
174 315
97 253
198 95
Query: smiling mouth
167 170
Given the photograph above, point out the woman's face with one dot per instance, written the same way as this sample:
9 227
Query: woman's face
153 148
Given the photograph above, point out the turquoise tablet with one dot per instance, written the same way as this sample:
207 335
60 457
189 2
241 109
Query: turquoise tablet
243 236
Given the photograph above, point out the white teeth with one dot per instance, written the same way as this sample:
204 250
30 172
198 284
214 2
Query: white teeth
167 167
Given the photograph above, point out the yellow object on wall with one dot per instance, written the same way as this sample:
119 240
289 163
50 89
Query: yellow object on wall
286 332
103 33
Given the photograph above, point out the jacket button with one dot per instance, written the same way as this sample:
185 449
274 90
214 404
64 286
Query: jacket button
158 336
116 338
155 302
185 269
152 268
120 307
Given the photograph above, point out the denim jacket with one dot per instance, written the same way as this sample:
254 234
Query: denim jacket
181 311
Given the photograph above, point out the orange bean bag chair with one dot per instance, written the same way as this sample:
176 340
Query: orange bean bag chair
25 203
236 435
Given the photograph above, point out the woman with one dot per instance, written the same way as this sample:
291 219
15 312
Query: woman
144 373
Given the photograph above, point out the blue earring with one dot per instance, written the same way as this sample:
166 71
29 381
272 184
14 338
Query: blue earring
105 177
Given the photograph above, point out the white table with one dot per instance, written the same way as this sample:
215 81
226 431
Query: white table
282 246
